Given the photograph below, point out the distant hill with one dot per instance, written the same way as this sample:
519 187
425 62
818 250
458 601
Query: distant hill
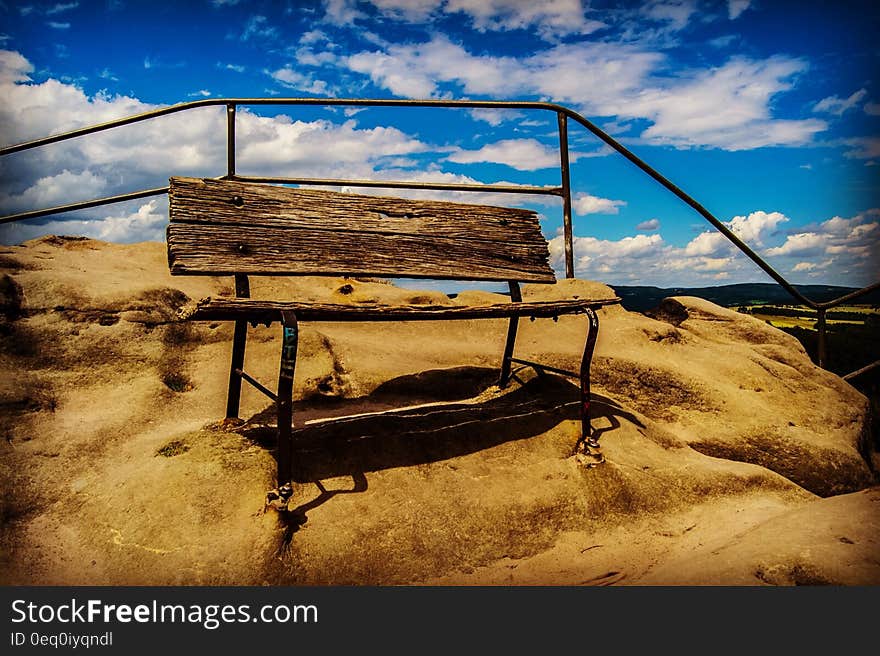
639 299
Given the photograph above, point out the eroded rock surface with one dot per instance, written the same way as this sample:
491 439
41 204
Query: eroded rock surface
718 432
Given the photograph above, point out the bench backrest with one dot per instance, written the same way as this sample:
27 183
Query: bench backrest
228 227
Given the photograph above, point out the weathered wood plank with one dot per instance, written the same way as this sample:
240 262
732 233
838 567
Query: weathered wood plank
196 200
225 249
259 311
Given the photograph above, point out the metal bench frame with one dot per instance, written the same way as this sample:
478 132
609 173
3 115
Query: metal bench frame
243 310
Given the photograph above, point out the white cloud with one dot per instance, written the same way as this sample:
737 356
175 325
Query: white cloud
35 110
308 57
231 67
296 80
863 147
14 67
417 70
258 28
649 225
400 77
805 243
677 13
552 18
52 190
724 40
147 223
837 106
590 250
707 243
55 25
839 227
609 260
839 250
521 154
626 247
406 10
712 264
224 3
735 8
495 117
317 148
312 36
584 204
754 229
836 248
61 7
204 93
342 12
726 107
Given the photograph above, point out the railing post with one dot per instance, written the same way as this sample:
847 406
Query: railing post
566 194
230 140
820 327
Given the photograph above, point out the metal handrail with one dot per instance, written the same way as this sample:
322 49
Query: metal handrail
867 369
563 114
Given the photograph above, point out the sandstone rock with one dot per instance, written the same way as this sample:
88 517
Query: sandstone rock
716 428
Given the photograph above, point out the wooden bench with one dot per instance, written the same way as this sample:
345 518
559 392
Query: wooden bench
222 227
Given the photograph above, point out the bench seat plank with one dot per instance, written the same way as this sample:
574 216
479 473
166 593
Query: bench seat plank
258 311
194 200
230 248
222 227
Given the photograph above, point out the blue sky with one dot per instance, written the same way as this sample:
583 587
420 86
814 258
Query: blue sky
766 112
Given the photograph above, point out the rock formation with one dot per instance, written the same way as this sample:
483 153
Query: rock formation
731 458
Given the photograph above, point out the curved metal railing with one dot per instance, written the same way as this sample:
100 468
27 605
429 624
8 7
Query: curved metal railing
563 114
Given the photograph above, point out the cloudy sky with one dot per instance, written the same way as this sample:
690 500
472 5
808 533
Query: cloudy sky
766 111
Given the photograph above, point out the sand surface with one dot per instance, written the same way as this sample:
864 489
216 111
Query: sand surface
730 458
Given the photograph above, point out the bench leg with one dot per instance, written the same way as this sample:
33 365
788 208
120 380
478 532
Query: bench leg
586 428
516 297
233 396
285 395
239 339
508 352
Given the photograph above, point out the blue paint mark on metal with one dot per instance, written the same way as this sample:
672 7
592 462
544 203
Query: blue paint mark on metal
288 352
